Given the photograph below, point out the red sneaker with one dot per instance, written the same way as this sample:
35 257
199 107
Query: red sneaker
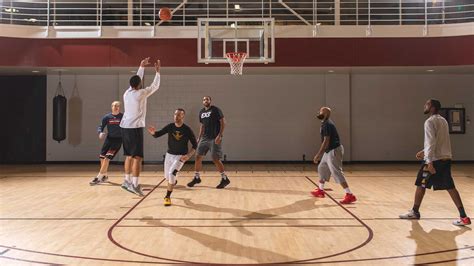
349 198
462 221
318 193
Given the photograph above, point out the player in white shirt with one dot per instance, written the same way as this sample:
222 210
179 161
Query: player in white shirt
133 122
436 169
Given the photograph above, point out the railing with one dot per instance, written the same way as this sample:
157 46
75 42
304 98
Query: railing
285 12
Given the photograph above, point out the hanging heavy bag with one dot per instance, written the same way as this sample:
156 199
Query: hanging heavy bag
59 113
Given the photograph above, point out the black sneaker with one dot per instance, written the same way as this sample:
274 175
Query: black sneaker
223 183
194 182
94 181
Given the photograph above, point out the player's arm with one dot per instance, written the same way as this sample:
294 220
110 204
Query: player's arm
222 126
155 85
430 146
157 134
141 69
201 132
193 141
323 147
101 127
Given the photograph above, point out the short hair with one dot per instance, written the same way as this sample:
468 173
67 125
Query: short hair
115 102
180 109
135 81
210 99
435 104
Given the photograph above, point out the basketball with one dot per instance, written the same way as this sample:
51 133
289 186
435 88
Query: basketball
165 14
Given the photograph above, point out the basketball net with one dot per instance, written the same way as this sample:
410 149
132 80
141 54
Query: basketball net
236 61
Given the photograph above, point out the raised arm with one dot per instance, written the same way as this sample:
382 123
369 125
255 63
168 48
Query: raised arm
141 69
155 85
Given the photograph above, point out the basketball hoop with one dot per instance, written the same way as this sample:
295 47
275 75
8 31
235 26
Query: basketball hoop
236 61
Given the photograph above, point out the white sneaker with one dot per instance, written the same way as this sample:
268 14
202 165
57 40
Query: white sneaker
410 215
137 190
127 186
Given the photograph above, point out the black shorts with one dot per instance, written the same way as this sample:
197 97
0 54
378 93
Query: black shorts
441 180
132 142
110 148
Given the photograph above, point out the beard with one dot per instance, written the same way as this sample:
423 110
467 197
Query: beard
426 112
320 117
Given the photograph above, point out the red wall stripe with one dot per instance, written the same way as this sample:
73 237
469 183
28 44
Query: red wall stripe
317 52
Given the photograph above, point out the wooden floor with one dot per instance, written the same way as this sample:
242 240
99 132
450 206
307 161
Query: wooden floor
50 215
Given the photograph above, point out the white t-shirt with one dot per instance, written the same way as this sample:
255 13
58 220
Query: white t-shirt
134 102
437 143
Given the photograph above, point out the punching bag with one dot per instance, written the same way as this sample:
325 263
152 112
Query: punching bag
59 114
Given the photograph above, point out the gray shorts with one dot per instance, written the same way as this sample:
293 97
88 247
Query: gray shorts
331 165
209 144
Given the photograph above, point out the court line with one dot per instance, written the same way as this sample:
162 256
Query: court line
110 236
444 261
80 257
233 226
31 261
202 219
391 257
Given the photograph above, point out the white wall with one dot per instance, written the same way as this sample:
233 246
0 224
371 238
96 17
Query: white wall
387 114
272 117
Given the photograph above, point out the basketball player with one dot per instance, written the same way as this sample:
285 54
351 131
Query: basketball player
179 134
211 132
133 122
436 170
112 143
329 157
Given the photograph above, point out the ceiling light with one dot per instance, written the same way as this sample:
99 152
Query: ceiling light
35 71
430 70
237 7
331 71
147 24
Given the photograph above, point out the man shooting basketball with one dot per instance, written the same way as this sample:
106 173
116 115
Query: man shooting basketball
133 122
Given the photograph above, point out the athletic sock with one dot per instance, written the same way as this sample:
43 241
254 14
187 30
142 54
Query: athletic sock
127 178
462 212
197 175
321 185
99 175
416 208
135 181
223 175
168 194
348 191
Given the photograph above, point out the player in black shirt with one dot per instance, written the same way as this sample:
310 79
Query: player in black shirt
179 134
329 158
112 143
210 138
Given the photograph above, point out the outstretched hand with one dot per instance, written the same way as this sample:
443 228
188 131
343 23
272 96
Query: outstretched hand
157 66
145 62
151 130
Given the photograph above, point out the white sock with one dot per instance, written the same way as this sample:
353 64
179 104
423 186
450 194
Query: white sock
348 191
223 175
135 181
127 178
100 175
197 175
321 185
